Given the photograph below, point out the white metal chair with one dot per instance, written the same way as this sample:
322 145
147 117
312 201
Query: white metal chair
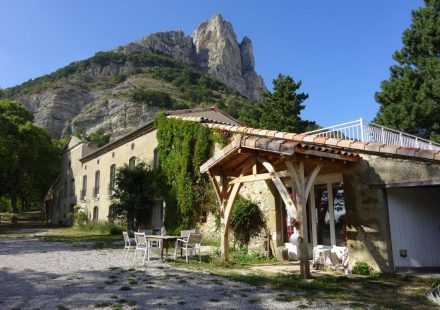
141 246
185 233
153 244
190 245
127 244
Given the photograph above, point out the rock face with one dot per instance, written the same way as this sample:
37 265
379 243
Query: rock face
213 49
87 102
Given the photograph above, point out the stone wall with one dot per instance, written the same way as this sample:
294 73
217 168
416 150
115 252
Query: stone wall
368 229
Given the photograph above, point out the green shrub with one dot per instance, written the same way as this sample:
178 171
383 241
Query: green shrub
152 98
362 268
80 218
243 256
246 220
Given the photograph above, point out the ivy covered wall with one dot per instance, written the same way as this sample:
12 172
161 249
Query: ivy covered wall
183 147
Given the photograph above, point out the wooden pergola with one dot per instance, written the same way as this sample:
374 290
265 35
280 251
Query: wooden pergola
277 162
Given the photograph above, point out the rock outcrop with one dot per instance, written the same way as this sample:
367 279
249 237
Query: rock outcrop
213 49
89 100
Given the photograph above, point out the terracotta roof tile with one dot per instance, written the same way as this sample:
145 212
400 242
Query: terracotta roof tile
358 145
373 147
255 131
345 143
288 147
437 156
289 136
332 141
262 143
390 149
275 145
299 137
406 151
428 154
280 134
271 133
263 132
308 138
250 141
320 140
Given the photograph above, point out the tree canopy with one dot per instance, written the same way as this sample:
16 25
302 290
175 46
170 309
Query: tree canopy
137 188
410 99
29 158
283 107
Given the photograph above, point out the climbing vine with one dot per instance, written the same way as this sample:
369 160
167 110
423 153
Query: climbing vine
183 147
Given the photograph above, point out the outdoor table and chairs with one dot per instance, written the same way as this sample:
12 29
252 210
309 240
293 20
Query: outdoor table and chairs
188 241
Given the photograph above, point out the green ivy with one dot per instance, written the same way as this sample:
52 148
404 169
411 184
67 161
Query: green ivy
183 147
246 219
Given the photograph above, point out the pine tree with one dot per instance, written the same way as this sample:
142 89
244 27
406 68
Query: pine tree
283 107
410 98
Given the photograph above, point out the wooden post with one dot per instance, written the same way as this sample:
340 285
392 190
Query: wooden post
331 213
313 216
303 188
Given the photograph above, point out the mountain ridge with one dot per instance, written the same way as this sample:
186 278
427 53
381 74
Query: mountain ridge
100 92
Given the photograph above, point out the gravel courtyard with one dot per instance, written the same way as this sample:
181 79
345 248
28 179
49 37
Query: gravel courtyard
54 275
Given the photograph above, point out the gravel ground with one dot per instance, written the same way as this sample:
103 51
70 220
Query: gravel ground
55 275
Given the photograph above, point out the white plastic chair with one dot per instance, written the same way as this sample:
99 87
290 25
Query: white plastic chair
141 246
185 233
154 244
127 244
190 245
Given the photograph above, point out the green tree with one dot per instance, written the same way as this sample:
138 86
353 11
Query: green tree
410 98
29 158
283 107
137 189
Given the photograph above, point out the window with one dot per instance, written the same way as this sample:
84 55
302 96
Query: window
72 187
111 185
155 159
84 188
95 214
132 161
96 189
132 146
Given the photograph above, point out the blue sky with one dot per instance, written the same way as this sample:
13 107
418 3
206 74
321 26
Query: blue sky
341 50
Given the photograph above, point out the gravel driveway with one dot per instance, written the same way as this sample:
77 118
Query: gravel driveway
55 275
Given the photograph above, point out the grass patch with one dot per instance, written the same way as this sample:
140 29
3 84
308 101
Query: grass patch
125 288
132 303
117 307
103 304
408 291
132 281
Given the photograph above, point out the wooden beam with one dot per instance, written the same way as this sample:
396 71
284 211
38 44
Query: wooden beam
217 190
290 206
311 180
260 177
327 155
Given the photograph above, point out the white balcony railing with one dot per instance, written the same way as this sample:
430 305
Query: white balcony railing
361 130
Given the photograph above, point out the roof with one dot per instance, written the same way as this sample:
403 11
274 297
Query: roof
330 143
234 155
212 115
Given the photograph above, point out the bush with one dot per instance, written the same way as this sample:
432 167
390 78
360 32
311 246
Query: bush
152 98
242 256
80 218
246 220
362 268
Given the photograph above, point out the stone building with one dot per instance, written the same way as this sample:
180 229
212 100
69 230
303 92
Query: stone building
375 194
87 176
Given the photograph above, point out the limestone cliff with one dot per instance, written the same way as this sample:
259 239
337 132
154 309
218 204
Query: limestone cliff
95 93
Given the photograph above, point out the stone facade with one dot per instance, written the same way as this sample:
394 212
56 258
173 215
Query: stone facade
368 228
